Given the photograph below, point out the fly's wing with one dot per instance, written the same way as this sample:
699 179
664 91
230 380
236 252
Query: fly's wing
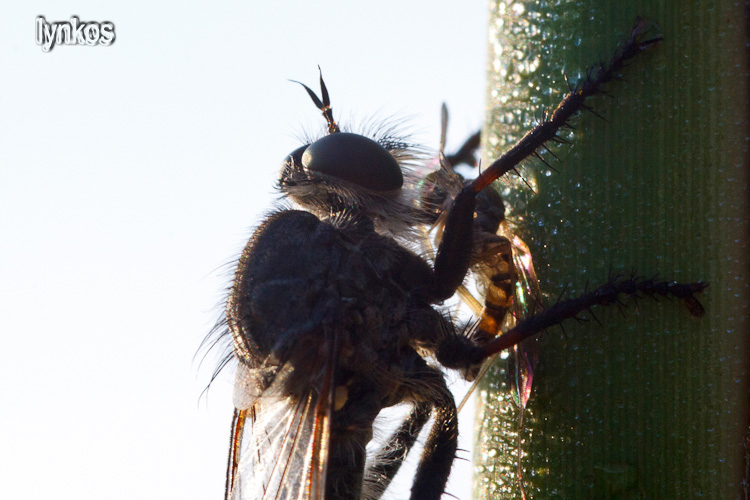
279 443
526 301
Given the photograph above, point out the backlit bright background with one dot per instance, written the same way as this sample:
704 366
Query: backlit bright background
130 174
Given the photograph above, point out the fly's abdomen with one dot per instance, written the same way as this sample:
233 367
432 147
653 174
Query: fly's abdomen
496 279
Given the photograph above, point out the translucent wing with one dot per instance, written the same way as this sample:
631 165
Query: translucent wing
526 301
279 443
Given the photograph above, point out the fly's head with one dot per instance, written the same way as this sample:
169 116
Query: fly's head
346 176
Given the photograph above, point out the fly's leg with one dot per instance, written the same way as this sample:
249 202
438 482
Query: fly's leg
571 104
428 385
605 295
460 352
389 459
454 256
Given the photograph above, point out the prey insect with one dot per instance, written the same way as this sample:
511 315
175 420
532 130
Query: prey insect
334 315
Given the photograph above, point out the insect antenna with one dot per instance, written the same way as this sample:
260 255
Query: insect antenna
324 105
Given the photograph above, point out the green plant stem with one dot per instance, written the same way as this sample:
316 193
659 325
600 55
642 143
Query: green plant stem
652 403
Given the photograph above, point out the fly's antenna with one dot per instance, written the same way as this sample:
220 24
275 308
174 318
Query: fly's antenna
325 105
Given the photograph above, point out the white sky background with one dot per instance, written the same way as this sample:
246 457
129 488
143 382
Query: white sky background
129 174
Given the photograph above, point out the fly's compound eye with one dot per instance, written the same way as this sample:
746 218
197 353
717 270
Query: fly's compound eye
295 157
353 158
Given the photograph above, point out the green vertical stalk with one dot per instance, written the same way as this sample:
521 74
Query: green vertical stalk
651 403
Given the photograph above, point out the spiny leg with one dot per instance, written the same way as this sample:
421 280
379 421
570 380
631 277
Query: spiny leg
605 295
453 257
573 102
440 449
460 352
389 459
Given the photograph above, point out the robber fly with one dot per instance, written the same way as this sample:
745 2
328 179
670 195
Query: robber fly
333 313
